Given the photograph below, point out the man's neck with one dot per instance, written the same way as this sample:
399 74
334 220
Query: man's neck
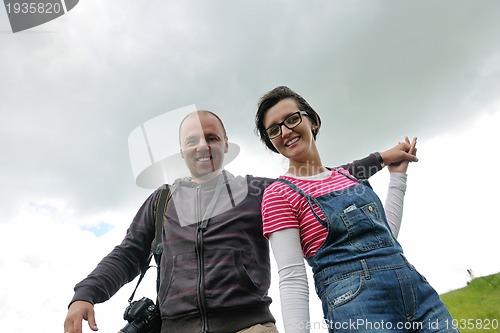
206 178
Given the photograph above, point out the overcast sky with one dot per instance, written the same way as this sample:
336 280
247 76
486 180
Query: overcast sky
72 90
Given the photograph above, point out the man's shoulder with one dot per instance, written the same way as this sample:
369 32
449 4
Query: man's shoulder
260 181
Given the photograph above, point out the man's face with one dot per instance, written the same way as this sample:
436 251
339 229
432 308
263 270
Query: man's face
203 144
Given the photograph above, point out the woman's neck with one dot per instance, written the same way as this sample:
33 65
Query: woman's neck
306 168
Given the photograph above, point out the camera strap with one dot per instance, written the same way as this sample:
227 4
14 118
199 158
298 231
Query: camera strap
157 247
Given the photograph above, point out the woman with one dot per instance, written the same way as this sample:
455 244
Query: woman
339 225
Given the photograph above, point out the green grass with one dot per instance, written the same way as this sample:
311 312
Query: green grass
476 307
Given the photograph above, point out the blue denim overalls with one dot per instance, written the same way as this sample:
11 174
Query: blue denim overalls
361 276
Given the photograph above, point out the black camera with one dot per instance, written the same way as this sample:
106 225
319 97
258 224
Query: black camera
143 316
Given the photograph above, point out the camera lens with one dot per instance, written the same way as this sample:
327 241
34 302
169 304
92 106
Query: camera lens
143 317
136 326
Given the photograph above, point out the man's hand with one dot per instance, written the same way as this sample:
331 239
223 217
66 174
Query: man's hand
77 312
399 153
402 166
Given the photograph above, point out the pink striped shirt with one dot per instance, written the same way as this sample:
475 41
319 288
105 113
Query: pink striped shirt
283 208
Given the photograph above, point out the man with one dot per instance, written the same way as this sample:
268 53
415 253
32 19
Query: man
215 269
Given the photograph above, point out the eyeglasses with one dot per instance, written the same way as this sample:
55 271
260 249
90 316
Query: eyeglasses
289 122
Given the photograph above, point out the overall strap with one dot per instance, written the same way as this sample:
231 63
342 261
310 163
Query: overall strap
293 187
311 201
347 175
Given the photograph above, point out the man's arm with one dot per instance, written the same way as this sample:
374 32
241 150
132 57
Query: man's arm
365 167
370 165
119 267
124 262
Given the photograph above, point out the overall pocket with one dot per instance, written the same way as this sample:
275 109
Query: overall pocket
340 292
365 228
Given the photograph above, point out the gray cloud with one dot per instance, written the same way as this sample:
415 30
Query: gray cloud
375 71
72 90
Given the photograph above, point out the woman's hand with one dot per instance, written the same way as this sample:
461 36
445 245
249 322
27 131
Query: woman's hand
403 165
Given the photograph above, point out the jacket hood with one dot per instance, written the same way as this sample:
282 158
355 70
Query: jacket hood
188 181
195 203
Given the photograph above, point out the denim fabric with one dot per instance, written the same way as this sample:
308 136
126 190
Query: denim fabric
361 276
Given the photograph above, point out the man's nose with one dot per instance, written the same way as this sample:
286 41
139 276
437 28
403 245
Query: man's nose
203 145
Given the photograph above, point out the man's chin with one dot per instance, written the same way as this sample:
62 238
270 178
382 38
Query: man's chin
206 176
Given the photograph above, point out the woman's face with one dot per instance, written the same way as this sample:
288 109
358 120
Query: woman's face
296 143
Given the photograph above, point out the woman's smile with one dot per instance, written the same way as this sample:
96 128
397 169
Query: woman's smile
289 143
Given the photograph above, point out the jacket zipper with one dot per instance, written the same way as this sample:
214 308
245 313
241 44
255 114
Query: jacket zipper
201 266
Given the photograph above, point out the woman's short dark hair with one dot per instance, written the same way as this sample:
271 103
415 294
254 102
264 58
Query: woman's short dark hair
272 98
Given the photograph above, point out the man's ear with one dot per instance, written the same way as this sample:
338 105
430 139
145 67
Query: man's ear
182 154
226 145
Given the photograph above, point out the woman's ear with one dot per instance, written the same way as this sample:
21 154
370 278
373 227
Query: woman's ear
315 130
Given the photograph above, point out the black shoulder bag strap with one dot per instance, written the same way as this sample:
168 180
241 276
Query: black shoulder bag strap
157 248
157 245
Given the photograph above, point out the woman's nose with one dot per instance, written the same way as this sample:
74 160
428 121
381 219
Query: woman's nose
285 131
